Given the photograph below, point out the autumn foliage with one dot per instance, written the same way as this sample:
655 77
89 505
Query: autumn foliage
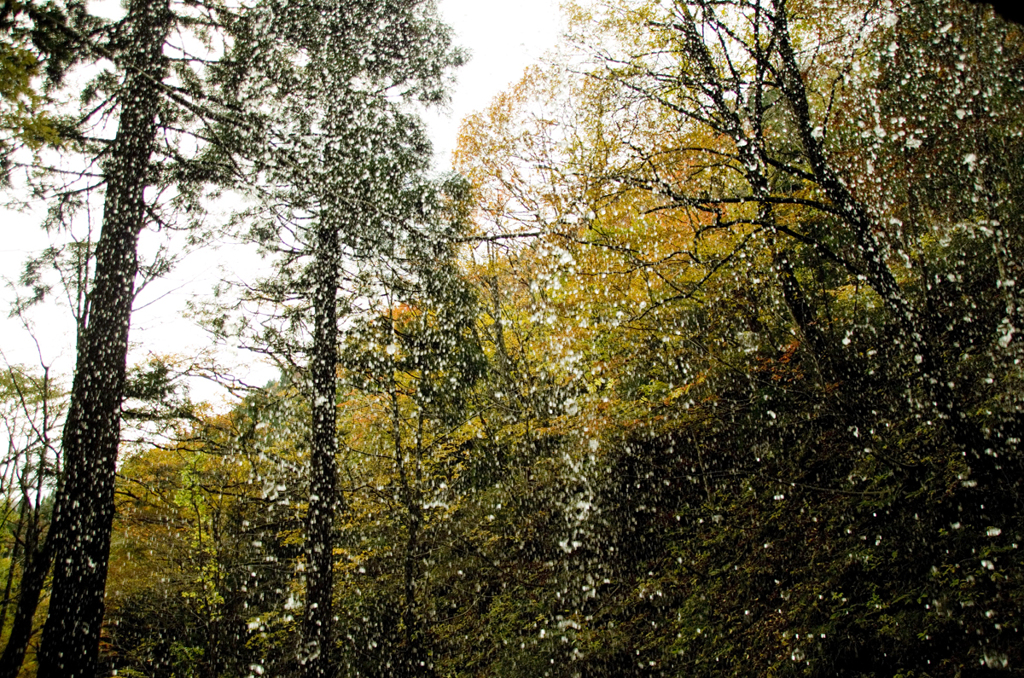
714 368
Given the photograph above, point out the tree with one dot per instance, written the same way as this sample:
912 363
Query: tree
767 430
33 406
340 179
85 501
724 380
743 78
207 534
148 178
35 41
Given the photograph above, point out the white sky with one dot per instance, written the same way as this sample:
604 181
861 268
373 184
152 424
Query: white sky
502 39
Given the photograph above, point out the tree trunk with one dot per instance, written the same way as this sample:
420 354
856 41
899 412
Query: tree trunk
32 580
10 569
85 500
318 618
855 215
943 398
36 560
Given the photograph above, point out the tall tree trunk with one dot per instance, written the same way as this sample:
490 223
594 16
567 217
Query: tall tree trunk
914 327
318 619
854 214
85 500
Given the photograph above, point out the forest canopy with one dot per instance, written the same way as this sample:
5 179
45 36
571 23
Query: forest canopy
705 360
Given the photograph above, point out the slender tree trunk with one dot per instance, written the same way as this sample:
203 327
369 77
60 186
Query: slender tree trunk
414 507
318 619
85 500
914 327
10 570
37 564
410 498
36 560
853 212
828 362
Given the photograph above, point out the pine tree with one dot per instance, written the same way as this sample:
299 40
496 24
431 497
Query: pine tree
339 182
172 142
85 502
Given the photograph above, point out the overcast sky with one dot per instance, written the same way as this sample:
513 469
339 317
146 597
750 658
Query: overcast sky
502 39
